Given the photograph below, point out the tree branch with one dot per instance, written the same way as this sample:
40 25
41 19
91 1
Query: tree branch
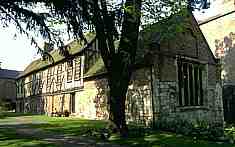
109 27
100 34
130 28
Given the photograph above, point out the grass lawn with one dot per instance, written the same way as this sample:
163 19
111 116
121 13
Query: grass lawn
82 127
67 125
9 138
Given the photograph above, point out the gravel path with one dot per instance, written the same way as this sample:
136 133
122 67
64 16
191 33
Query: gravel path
22 127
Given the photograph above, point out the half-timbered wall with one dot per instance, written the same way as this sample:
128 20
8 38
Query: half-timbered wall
53 79
40 86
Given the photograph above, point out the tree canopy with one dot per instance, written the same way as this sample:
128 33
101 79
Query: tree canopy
111 20
40 16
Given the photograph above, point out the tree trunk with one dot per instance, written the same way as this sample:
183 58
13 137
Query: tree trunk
119 62
119 77
122 65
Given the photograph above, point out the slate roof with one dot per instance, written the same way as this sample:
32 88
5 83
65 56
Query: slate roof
8 74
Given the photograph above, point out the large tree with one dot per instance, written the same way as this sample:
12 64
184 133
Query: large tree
111 20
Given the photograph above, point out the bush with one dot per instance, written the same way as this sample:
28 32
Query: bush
66 113
7 105
229 132
2 115
216 130
199 129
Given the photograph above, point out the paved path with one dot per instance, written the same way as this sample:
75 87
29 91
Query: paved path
22 127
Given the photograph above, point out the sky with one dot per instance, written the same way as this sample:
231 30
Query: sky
17 52
217 7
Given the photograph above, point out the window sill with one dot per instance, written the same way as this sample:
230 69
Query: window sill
190 108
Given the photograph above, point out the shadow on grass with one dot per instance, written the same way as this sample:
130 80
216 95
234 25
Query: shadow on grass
73 127
165 139
9 138
92 128
14 114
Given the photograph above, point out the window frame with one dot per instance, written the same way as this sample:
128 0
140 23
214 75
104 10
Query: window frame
77 69
69 71
49 79
194 100
59 77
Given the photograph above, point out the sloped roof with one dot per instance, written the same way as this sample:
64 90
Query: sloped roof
148 36
170 30
153 35
96 69
8 74
74 48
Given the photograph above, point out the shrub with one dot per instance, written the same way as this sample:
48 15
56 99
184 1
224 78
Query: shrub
229 132
199 129
66 113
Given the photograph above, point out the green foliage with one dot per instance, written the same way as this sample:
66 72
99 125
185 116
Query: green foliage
199 129
170 27
4 106
157 11
229 132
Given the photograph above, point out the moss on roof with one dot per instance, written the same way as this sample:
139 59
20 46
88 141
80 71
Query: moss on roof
74 47
96 69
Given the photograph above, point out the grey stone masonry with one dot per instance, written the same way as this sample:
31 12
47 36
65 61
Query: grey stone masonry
167 106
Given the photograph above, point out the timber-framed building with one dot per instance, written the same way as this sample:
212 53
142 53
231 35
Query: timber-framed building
174 79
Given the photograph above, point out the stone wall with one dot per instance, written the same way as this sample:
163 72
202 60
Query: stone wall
166 93
165 101
216 103
168 109
139 98
8 89
143 103
91 101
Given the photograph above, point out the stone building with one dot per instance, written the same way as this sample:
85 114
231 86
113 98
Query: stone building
8 87
174 79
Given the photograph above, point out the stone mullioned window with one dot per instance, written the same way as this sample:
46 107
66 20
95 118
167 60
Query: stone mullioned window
190 79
